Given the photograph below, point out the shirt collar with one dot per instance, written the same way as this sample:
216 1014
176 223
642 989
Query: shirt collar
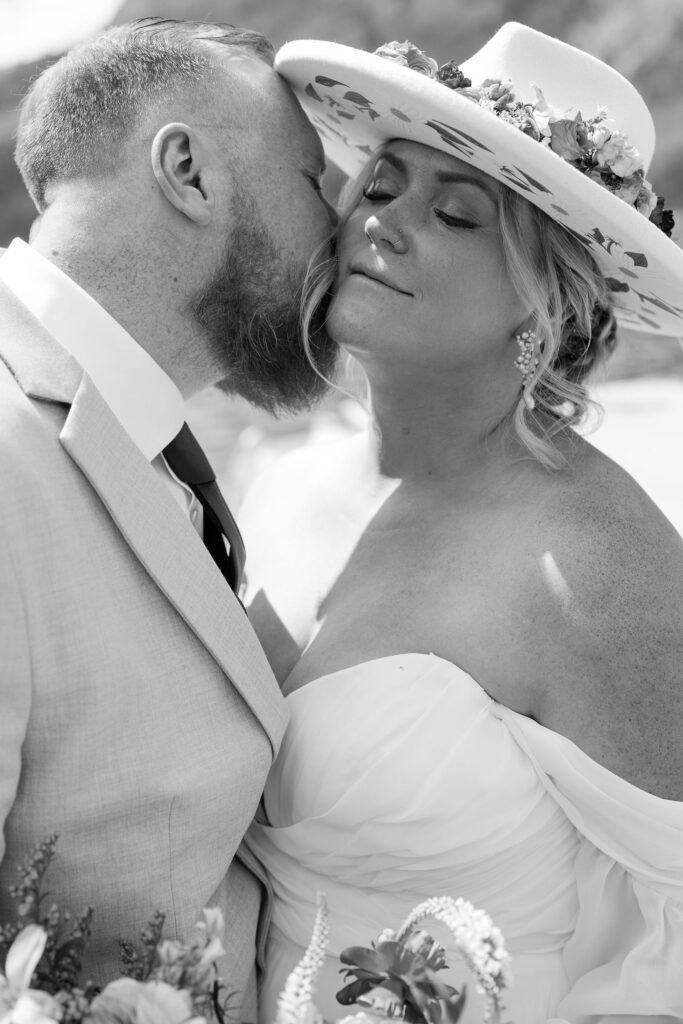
144 399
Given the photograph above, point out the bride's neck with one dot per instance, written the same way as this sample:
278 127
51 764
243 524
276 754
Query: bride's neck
434 436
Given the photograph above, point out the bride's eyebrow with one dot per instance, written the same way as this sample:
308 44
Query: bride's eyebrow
443 177
393 161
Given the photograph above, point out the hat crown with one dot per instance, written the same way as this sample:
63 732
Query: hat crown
570 80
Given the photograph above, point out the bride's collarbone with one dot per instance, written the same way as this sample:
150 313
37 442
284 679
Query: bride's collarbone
491 601
430 578
462 619
440 565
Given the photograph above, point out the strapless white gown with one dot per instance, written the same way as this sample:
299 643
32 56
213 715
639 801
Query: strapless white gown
400 779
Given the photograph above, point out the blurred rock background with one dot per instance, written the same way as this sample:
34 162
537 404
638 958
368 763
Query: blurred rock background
642 390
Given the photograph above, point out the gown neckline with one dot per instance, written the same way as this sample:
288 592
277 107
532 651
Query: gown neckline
524 725
435 658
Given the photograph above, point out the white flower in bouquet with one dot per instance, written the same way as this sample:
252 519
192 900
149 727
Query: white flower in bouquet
19 1003
295 1005
142 1002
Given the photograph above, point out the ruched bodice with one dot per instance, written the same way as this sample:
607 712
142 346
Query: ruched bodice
400 779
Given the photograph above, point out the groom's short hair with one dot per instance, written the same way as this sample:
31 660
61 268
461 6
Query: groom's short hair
78 111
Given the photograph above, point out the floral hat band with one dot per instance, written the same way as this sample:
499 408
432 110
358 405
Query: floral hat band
545 119
594 146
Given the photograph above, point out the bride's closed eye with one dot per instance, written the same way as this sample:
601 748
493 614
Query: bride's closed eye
375 193
455 222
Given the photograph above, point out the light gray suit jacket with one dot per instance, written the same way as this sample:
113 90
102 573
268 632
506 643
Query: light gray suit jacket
138 715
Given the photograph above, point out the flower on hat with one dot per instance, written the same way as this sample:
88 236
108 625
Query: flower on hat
410 56
568 138
494 94
449 74
595 146
646 201
599 133
664 219
617 154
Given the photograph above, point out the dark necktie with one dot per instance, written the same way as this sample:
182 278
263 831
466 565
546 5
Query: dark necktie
185 457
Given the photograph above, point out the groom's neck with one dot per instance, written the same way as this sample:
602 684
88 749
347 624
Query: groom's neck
118 265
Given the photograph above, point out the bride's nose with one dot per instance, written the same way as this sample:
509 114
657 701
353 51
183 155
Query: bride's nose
382 232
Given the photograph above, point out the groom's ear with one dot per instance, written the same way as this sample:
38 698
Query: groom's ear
178 162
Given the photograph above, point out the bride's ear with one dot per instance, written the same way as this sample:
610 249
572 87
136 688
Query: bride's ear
179 165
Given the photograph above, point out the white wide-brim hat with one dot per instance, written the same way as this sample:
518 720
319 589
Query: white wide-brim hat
357 101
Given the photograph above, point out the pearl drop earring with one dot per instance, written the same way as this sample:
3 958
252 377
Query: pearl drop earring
527 362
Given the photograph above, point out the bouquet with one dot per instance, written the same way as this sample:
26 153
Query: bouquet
396 978
169 982
162 981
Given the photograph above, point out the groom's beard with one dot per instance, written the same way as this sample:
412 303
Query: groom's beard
250 309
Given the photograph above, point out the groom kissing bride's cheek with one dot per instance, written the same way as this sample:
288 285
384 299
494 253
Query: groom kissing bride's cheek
463 644
177 185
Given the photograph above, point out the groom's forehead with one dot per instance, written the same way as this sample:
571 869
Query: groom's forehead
259 98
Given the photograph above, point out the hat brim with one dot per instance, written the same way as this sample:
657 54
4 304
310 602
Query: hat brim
358 101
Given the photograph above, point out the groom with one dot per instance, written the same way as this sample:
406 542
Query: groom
177 183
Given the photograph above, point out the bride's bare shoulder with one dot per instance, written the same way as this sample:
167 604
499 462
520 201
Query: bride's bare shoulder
604 600
613 527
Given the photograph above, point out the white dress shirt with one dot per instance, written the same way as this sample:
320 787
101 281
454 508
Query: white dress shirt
144 399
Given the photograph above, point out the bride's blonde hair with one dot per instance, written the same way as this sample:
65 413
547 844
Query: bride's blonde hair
554 275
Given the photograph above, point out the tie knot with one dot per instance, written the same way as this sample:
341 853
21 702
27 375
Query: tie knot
186 458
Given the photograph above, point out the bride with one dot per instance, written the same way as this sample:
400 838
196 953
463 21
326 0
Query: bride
475 615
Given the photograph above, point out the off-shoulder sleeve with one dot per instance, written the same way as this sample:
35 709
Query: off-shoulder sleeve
625 958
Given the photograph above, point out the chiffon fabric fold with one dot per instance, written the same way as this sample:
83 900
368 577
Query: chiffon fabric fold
400 779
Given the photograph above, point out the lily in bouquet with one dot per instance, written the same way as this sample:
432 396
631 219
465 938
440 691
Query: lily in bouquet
396 977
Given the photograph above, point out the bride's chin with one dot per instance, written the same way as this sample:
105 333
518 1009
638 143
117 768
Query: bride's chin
349 324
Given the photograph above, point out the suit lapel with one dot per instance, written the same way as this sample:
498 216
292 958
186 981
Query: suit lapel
144 511
41 367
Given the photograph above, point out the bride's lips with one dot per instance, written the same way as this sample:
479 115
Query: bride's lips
376 275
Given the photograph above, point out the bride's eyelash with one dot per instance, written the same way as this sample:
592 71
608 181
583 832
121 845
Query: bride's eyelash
375 193
456 222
